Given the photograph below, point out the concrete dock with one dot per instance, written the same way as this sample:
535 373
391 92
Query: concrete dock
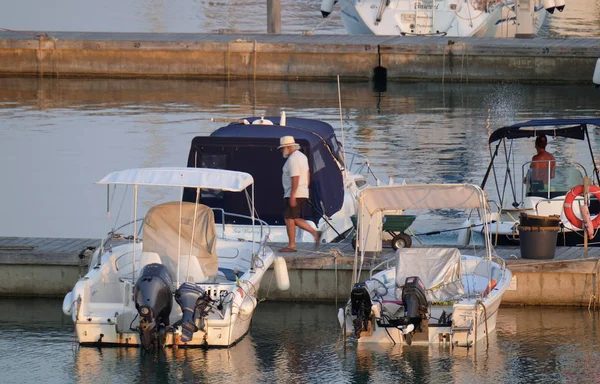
296 57
50 267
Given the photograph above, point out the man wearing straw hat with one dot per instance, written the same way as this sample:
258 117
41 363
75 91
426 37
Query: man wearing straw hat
295 180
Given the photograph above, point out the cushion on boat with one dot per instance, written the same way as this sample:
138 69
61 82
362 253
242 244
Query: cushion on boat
228 273
438 268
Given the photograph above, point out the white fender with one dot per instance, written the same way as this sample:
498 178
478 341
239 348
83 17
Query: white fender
281 273
327 7
464 235
560 5
283 120
375 311
596 77
549 5
67 306
341 317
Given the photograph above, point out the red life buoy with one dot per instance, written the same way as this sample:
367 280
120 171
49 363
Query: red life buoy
568 206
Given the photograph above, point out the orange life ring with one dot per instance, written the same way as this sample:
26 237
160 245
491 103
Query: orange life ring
568 206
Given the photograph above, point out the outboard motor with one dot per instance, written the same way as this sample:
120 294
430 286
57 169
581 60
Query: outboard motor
195 304
153 301
361 307
414 300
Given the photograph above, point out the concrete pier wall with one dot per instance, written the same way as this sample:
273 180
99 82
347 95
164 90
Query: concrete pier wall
294 57
551 283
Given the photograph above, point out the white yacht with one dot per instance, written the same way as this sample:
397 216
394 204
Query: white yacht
173 281
425 294
250 145
453 18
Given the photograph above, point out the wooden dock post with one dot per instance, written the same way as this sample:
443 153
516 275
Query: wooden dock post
273 16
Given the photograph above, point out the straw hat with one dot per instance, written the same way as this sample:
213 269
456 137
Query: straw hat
286 141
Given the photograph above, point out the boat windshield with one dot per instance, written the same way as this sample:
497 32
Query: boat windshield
543 181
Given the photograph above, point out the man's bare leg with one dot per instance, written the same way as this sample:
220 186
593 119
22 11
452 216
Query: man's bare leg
290 227
301 223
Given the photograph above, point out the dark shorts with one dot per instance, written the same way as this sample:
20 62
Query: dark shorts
293 212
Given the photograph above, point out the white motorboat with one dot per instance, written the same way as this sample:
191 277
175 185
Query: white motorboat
425 295
182 284
250 145
520 195
455 18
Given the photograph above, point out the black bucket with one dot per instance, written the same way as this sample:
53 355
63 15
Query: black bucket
538 242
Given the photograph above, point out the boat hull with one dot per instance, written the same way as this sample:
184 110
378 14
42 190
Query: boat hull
449 18
473 318
103 310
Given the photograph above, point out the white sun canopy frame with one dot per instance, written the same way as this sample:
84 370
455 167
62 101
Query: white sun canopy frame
207 178
198 178
375 202
422 197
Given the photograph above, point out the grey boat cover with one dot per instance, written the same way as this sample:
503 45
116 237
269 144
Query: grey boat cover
438 268
161 235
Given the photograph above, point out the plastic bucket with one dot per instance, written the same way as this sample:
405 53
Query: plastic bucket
538 242
538 221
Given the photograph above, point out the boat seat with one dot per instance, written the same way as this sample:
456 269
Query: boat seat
195 273
141 260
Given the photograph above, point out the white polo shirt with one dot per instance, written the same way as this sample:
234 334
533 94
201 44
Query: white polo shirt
296 165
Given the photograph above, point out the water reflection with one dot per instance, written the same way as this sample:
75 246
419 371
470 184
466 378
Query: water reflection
64 134
296 342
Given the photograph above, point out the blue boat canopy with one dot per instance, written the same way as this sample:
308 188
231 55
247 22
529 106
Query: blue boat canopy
569 128
253 149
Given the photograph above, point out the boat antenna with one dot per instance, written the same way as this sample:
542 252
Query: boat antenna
342 124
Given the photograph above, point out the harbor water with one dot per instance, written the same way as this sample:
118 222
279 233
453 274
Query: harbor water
59 136
299 343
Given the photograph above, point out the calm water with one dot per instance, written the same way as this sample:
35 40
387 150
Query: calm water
297 343
59 136
581 18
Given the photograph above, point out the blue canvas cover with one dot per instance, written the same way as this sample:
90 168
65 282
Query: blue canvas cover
569 128
253 149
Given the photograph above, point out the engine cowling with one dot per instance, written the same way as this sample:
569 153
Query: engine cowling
153 299
414 300
360 300
195 304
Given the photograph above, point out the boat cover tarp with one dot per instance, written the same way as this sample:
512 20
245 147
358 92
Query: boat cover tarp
422 197
253 149
181 177
439 269
569 128
161 235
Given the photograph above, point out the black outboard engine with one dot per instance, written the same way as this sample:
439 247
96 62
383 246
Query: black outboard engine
195 304
361 307
414 300
153 301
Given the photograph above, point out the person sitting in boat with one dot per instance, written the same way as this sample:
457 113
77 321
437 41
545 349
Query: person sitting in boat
295 180
543 166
